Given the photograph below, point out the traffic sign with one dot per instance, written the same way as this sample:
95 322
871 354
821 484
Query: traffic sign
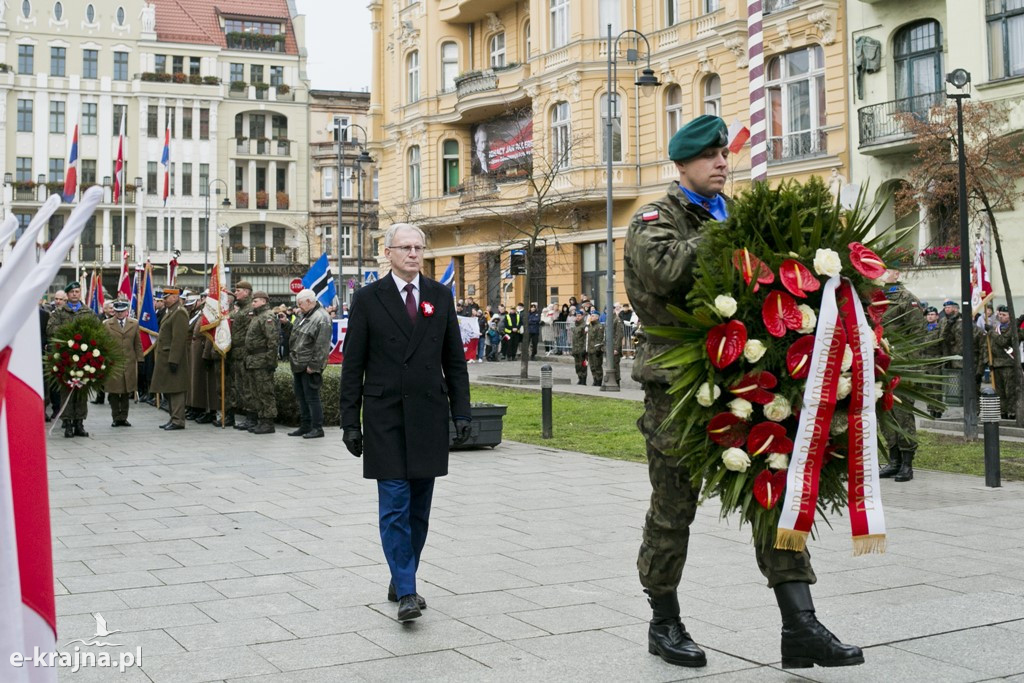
370 276
296 285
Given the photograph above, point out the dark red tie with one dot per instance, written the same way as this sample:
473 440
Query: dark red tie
410 303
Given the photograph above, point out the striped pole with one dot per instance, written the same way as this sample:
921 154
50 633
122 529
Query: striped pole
758 121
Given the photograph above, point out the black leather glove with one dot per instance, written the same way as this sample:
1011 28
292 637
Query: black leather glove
353 439
462 431
173 367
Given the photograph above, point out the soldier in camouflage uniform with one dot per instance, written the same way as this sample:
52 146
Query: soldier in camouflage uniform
77 408
1004 362
903 313
579 346
261 342
618 337
238 378
933 348
660 254
595 347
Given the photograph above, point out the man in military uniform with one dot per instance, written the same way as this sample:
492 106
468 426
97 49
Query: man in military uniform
239 378
1004 360
933 345
660 254
903 313
261 341
170 368
579 346
76 409
125 333
595 347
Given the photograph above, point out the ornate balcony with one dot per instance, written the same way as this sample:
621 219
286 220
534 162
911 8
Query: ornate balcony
880 124
474 82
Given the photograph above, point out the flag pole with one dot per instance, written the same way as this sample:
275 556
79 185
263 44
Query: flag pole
755 88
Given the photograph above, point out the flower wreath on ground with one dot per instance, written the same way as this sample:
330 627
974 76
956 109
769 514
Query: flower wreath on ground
82 355
782 372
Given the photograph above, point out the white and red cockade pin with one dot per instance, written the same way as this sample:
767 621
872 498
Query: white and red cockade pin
427 308
648 216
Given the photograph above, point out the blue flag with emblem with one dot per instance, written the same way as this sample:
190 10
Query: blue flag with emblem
448 279
320 279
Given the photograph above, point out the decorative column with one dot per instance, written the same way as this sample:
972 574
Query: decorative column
758 119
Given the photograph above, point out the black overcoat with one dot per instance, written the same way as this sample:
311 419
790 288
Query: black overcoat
411 378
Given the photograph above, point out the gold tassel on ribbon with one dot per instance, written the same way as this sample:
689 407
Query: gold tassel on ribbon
790 539
871 543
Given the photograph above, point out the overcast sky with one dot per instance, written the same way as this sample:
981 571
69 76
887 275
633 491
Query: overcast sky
338 41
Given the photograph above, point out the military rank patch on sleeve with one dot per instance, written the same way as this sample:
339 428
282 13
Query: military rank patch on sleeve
648 216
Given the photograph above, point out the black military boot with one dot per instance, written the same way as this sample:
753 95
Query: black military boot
906 472
805 642
251 422
894 465
247 423
69 429
667 636
80 428
263 427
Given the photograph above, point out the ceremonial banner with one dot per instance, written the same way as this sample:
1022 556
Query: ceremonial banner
338 328
981 286
124 285
149 326
216 310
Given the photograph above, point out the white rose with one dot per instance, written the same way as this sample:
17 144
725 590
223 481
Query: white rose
707 394
808 319
75 357
55 368
95 353
725 305
71 343
844 387
826 262
736 459
753 350
90 369
778 410
741 408
778 461
103 367
847 359
84 347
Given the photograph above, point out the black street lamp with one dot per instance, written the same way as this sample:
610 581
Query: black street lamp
648 82
206 242
362 158
959 79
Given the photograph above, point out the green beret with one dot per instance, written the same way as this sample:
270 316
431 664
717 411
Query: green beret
72 285
696 136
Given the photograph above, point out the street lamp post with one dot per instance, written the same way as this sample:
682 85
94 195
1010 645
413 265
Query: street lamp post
226 204
648 81
362 158
959 79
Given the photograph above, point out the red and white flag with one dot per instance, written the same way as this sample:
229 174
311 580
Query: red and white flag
981 286
124 282
738 136
217 310
119 164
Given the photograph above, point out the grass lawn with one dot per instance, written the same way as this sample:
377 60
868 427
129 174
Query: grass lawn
607 427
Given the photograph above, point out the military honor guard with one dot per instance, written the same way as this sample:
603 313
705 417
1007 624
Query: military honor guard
125 332
76 408
261 341
240 414
170 369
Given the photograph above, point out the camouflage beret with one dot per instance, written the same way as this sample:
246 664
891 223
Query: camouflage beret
696 136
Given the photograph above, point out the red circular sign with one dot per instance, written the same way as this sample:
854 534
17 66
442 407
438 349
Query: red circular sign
296 285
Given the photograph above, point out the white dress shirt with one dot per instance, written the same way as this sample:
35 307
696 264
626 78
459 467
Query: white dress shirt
400 283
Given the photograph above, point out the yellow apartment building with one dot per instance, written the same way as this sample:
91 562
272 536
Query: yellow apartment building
488 121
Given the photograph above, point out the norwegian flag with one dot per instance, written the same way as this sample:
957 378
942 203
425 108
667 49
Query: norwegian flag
28 615
119 168
71 179
165 159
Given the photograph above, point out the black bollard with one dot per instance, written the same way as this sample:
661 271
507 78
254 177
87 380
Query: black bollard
546 382
990 413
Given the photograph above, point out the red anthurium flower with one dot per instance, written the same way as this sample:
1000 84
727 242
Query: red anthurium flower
798 278
768 487
888 397
779 313
876 309
753 385
725 342
727 430
752 267
882 361
798 356
768 437
832 451
866 261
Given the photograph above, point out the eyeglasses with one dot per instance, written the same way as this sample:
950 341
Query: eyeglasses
415 249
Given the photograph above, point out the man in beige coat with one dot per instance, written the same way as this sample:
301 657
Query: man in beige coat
170 371
125 333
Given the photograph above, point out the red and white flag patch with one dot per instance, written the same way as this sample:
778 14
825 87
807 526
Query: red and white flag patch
648 216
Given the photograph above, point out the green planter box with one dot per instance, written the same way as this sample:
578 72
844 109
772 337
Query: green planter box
485 430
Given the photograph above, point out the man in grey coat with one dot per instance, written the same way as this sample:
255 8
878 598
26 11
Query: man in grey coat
310 346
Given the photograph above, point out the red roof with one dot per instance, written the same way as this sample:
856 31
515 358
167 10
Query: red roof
197 21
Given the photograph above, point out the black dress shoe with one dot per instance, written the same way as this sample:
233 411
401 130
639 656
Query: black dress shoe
408 609
668 638
313 434
164 425
124 423
298 432
171 427
420 602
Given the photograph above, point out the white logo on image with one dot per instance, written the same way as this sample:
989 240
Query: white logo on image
101 632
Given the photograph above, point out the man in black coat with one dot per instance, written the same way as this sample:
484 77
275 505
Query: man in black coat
403 357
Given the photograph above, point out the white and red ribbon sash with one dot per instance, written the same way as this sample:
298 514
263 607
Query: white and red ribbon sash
840 323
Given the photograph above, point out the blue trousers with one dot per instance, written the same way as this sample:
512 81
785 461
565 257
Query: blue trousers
404 517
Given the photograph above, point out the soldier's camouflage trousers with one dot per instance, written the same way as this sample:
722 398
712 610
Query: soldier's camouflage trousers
1006 387
261 399
77 408
234 398
596 363
581 367
905 440
667 531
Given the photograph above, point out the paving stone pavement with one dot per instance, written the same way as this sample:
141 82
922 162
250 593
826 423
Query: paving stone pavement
232 557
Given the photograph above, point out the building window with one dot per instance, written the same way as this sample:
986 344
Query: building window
194 66
710 5
186 123
796 104
1005 38
559 23
673 110
204 123
151 178
449 65
278 127
90 13
90 63
450 165
26 9
255 73
186 180
526 41
346 241
616 118
204 180
178 64
237 73
56 170
26 59
119 16
340 128
917 56
412 64
608 13
88 171
594 274
58 11
120 110
347 185
204 234
328 176
169 112
497 50
276 76
376 186
671 12
160 63
57 116
89 118
58 61
23 170
561 132
257 126
712 95
186 233
25 116
151 233
120 66
414 173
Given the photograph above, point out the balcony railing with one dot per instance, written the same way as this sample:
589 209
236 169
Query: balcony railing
783 148
25 193
255 41
888 121
115 253
477 188
777 5
474 82
263 146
